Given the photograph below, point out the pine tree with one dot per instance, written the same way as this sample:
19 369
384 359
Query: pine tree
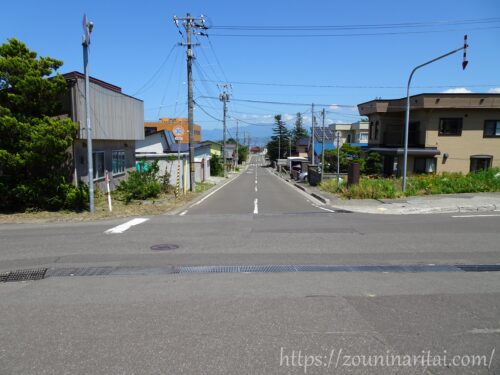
278 146
33 140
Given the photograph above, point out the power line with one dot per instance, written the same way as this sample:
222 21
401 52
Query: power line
362 26
285 103
350 34
349 86
142 88
205 111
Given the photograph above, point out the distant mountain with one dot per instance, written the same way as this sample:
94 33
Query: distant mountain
259 134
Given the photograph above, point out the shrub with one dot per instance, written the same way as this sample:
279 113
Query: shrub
446 183
141 185
216 167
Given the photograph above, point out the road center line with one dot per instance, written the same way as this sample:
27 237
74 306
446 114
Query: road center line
256 206
183 213
125 226
256 189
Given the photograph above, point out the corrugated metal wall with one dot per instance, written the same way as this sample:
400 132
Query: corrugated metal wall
114 116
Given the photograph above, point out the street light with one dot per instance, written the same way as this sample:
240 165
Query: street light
407 121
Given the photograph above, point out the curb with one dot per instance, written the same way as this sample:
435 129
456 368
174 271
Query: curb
304 189
320 198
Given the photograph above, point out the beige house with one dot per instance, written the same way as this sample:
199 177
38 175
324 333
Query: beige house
448 132
355 133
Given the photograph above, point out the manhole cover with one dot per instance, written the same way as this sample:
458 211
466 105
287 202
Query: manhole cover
164 247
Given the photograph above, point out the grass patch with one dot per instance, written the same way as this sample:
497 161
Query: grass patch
446 183
200 187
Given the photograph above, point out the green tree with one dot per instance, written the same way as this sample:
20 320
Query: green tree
34 162
277 148
299 131
216 168
373 164
348 154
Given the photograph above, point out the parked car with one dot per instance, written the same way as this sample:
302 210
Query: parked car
303 176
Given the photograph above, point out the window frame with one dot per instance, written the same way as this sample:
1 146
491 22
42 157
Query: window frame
496 129
427 162
123 162
441 133
96 176
489 158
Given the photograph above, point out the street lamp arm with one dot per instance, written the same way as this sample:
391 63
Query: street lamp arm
407 117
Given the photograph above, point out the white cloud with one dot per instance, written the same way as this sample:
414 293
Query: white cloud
334 106
496 90
457 90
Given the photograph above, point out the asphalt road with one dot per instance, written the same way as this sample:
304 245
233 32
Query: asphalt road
253 323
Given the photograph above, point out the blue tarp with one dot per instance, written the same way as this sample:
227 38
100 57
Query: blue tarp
328 146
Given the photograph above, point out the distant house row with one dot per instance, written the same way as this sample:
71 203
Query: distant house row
448 133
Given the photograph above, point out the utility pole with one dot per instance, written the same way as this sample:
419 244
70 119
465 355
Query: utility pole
312 134
279 143
87 29
337 134
323 144
407 117
224 98
237 146
190 23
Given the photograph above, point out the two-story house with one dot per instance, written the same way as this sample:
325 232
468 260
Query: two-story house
117 123
447 132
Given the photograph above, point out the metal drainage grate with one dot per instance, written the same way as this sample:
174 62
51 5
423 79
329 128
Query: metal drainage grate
164 247
23 275
479 267
110 271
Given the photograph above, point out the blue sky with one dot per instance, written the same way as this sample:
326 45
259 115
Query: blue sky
132 40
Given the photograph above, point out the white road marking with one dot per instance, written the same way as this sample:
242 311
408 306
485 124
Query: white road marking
123 227
256 181
256 189
484 330
323 208
183 213
213 192
470 216
256 206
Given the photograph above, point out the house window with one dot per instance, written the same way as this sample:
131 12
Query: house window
348 140
424 165
491 129
370 129
118 162
363 137
98 164
450 126
480 162
376 131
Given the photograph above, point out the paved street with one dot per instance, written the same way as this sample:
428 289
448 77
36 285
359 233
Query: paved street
148 320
